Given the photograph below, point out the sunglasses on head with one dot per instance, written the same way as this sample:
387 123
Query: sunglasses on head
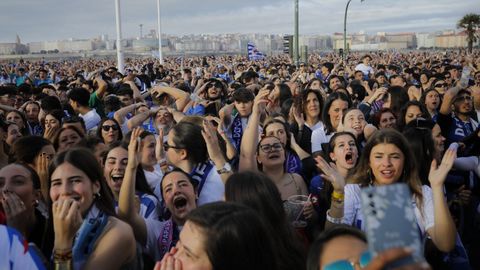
364 260
267 148
107 127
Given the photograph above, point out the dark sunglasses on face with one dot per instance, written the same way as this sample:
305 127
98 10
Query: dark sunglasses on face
107 127
441 85
267 148
463 98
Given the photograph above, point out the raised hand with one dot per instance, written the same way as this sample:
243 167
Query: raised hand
211 139
331 174
438 174
134 148
66 221
16 211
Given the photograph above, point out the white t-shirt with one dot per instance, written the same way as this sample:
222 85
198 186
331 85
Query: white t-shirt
364 69
91 119
213 190
154 179
318 125
352 214
318 137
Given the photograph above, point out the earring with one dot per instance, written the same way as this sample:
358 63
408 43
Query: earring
36 203
97 195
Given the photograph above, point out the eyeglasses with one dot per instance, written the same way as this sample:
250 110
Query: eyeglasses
364 260
463 98
441 85
267 148
166 146
107 127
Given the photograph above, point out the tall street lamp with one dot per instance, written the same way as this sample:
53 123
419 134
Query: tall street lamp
296 51
345 29
120 61
159 33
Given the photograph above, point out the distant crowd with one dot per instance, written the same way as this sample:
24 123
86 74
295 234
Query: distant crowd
218 162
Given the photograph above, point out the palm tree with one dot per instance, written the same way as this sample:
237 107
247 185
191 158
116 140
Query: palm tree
471 24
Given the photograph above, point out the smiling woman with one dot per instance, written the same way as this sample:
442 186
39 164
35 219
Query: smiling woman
81 206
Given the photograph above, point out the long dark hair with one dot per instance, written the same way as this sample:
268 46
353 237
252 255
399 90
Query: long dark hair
257 191
27 148
362 172
237 238
99 129
189 136
85 161
325 116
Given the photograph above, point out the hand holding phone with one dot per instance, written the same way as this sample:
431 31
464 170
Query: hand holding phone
390 222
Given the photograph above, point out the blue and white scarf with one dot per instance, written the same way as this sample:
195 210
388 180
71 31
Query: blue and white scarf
84 242
237 131
200 174
293 164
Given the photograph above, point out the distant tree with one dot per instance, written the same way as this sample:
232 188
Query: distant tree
471 23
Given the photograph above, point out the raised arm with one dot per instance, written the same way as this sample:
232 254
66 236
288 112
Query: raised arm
121 114
450 94
443 233
126 202
250 135
181 97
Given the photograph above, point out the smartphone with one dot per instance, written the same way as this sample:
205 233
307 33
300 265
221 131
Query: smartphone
390 222
464 80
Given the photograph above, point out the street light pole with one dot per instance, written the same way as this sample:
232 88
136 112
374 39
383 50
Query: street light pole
345 29
159 33
296 51
120 61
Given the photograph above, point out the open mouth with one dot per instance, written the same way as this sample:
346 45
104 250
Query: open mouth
387 173
274 156
357 128
179 202
349 158
117 178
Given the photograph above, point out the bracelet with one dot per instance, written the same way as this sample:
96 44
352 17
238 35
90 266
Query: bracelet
60 256
332 219
66 265
338 195
368 103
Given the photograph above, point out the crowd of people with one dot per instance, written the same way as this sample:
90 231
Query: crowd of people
192 163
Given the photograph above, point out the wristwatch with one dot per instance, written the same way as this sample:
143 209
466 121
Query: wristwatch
226 168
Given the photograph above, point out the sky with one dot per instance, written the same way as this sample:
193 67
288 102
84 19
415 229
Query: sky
42 20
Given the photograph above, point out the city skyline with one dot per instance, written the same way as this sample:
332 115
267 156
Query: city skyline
59 20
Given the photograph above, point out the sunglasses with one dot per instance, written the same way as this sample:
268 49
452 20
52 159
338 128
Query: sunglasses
107 127
267 148
364 260
441 85
166 146
463 98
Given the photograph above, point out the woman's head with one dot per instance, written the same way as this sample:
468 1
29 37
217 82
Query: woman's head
396 98
270 152
76 174
431 99
185 142
23 181
109 131
18 118
257 191
54 119
354 119
225 236
343 150
340 243
385 118
335 106
279 129
387 159
147 146
412 110
29 148
13 133
419 135
312 104
66 138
